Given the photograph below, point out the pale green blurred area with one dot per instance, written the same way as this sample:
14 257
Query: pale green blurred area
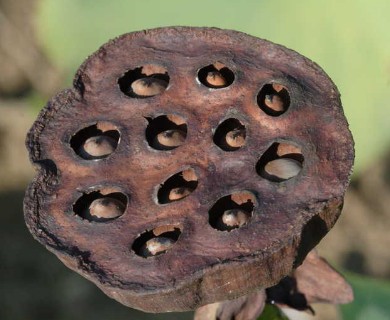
349 39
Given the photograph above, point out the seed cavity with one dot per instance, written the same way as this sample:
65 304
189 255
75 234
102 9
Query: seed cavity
232 211
178 186
95 142
216 76
273 99
145 81
230 135
166 132
100 206
157 241
282 161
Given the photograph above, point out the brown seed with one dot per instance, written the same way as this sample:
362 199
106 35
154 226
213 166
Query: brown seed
274 102
215 79
171 138
233 218
147 87
97 147
106 208
156 246
179 193
283 168
235 138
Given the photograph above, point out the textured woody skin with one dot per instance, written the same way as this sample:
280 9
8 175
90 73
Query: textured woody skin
205 265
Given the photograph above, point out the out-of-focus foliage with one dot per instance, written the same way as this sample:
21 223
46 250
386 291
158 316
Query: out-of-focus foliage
271 312
349 39
371 299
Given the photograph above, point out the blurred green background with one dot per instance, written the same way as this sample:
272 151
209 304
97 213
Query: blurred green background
42 43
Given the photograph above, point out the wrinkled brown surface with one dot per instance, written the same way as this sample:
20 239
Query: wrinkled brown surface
205 265
247 307
312 282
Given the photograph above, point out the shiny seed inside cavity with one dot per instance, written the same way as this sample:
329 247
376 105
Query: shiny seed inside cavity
179 193
215 79
147 87
106 208
156 246
233 218
283 168
235 138
171 138
274 102
97 147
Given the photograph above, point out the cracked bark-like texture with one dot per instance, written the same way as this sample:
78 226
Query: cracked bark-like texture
287 215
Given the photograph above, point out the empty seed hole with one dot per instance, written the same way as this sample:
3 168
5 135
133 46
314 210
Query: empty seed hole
232 211
99 207
216 76
157 241
178 186
281 161
95 142
166 132
230 135
145 81
273 99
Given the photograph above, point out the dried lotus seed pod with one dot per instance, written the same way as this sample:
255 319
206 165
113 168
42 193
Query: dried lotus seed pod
167 251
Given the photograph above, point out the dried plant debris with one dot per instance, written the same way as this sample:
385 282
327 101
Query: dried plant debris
313 282
188 166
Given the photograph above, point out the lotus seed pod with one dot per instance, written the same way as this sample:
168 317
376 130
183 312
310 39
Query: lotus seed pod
182 194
